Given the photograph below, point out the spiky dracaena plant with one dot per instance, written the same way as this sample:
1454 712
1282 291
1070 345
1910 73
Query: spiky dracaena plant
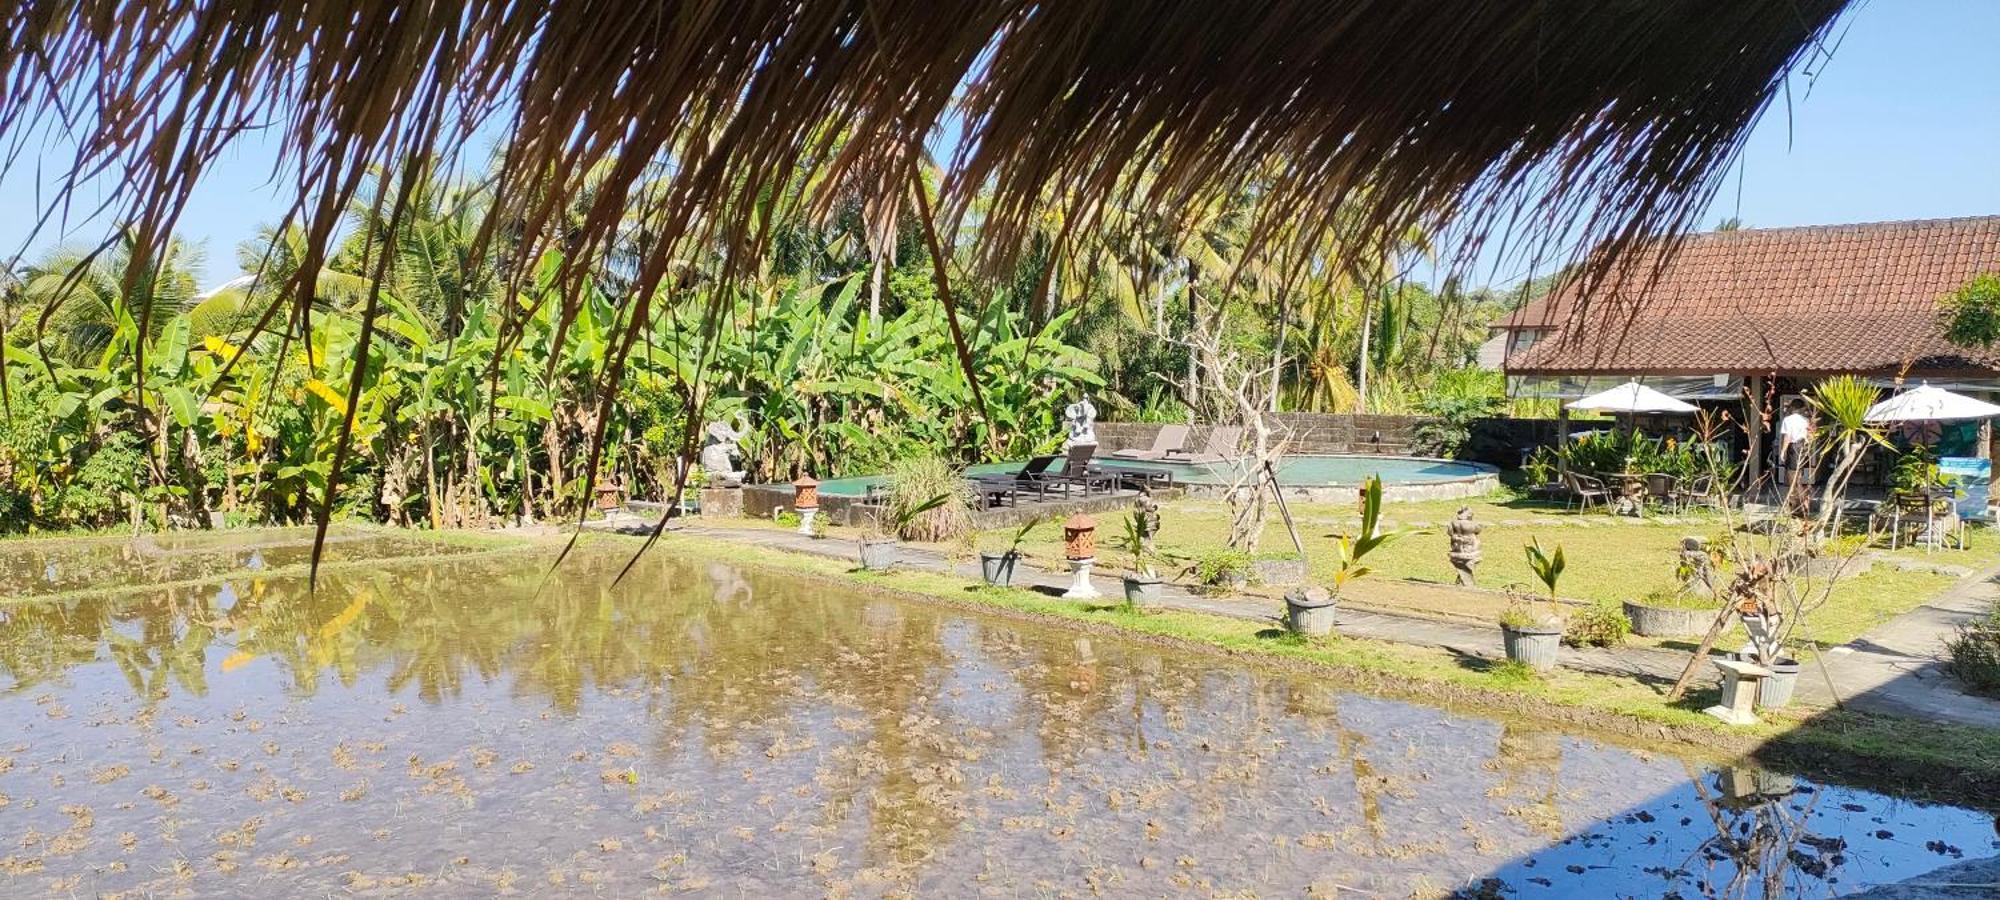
1354 549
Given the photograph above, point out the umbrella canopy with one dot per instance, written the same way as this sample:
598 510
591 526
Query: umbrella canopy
1631 397
1928 404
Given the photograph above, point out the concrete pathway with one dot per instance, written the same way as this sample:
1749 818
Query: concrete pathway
1896 668
1899 666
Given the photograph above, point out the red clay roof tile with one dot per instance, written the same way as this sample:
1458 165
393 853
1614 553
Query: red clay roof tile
1832 298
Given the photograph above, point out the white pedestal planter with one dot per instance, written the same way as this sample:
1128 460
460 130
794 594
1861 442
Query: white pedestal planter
806 517
1080 587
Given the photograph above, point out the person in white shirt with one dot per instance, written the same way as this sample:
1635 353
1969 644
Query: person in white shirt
1794 439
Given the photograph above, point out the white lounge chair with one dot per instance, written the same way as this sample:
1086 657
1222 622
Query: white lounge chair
1170 439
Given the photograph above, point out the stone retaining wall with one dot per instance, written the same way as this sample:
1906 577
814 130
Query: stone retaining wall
1496 441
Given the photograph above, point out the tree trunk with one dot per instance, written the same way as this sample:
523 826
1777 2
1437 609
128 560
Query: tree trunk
875 292
1278 350
1361 365
1193 323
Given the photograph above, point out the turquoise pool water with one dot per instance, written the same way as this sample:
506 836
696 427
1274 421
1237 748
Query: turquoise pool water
1296 471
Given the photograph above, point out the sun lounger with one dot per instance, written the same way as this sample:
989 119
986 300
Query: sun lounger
1221 445
1077 472
1169 440
1004 489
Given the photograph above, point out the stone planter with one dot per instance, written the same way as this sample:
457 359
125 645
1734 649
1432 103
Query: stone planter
1533 647
1229 580
998 568
1775 692
878 555
1143 592
1311 611
1278 572
1668 621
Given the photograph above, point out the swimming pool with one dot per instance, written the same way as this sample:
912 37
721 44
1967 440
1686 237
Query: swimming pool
1315 477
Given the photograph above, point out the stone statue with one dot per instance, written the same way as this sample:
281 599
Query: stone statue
1146 511
1464 554
1696 567
1081 418
720 459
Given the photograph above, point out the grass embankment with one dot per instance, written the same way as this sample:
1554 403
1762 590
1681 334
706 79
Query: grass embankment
1611 558
1878 752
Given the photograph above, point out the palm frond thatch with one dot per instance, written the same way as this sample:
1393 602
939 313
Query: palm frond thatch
693 113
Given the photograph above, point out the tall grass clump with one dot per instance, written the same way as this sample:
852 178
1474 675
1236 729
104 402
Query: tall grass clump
1975 654
917 481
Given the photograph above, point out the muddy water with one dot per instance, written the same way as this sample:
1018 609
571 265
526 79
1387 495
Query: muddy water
443 730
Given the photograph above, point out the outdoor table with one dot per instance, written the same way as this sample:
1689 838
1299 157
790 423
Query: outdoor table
1631 493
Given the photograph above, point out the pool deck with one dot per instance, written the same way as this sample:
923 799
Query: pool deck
1895 669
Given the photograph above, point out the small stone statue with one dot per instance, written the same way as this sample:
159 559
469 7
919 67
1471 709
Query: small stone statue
719 457
1081 419
1146 512
1696 567
1464 554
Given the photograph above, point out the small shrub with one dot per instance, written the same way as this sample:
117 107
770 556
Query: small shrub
1975 654
785 517
917 482
1600 625
1515 672
1222 564
1668 598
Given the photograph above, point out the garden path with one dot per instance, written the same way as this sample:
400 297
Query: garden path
1898 667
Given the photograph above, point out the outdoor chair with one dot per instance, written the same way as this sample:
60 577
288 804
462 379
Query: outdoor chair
1221 445
1661 488
1169 440
1030 477
1698 492
1585 490
1077 472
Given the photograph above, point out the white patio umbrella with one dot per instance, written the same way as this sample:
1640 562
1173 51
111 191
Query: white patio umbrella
1631 397
1924 403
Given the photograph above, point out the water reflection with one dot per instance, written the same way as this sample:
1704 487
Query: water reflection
471 726
44 567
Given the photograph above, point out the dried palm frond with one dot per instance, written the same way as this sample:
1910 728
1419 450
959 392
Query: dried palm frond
689 115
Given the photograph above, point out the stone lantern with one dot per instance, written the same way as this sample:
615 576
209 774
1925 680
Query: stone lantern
805 499
1080 546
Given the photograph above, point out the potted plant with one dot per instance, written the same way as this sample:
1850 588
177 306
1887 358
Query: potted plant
998 567
1671 613
1530 632
1142 584
1310 611
878 544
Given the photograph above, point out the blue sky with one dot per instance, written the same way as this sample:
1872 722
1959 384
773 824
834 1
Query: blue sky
1900 124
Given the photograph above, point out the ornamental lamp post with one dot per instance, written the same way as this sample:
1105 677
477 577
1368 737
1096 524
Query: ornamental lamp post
805 499
1080 547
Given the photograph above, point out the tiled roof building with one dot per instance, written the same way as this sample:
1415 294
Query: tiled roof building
1789 301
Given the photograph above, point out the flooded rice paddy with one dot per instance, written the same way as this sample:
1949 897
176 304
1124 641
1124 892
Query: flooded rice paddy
467 727
44 567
